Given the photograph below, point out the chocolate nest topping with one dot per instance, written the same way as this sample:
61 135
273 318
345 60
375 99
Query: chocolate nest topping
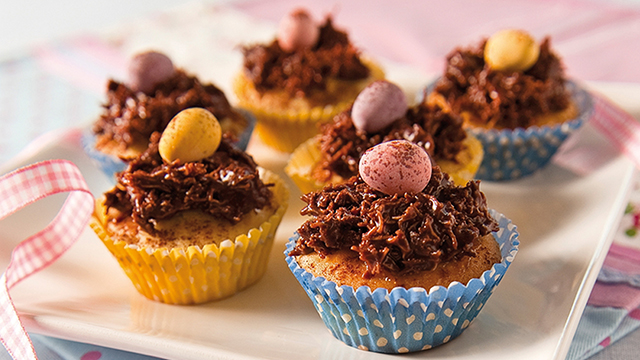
501 99
225 185
303 71
341 145
130 117
401 233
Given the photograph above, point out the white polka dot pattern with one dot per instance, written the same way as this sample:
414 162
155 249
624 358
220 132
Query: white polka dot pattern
404 320
512 154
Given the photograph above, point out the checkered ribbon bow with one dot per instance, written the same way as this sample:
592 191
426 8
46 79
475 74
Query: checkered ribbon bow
17 190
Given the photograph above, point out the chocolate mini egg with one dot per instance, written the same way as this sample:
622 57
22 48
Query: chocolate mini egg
297 30
148 69
511 50
377 106
396 167
192 135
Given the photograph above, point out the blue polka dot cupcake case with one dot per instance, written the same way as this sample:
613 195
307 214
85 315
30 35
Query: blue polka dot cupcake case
243 139
513 154
109 164
404 320
515 97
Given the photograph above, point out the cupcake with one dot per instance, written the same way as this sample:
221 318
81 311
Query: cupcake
153 94
513 95
303 78
398 258
380 113
191 219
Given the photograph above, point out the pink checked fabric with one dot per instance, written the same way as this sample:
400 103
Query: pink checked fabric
17 190
618 126
620 129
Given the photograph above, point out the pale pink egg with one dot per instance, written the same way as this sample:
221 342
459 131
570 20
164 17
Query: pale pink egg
396 167
297 30
148 69
377 106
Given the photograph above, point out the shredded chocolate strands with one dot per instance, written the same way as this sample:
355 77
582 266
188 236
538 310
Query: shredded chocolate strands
131 117
503 100
303 71
226 185
341 145
402 233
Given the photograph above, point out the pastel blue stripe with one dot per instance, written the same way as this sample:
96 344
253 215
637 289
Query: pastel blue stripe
627 325
57 349
596 324
610 275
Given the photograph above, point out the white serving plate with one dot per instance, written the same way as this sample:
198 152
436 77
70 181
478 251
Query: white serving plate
566 223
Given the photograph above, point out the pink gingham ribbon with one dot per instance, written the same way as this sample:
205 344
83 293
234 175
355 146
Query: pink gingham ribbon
622 129
17 190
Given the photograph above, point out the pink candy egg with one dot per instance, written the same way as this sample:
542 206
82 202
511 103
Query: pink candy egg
148 69
297 31
377 106
396 167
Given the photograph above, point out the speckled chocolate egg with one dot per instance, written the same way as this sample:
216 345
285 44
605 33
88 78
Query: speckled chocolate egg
511 50
192 135
148 69
377 106
297 30
396 167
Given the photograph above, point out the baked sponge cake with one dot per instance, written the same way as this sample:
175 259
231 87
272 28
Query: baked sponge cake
153 93
513 94
380 113
398 258
192 219
301 79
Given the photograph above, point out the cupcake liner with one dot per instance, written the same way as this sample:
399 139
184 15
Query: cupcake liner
404 320
305 157
245 136
195 275
512 154
301 164
111 164
284 130
467 161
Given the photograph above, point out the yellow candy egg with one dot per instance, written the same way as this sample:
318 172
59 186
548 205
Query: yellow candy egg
511 50
192 135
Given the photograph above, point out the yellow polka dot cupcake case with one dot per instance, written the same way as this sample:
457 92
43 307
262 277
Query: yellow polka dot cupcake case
195 255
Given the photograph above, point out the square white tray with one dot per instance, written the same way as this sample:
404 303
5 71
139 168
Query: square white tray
566 222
